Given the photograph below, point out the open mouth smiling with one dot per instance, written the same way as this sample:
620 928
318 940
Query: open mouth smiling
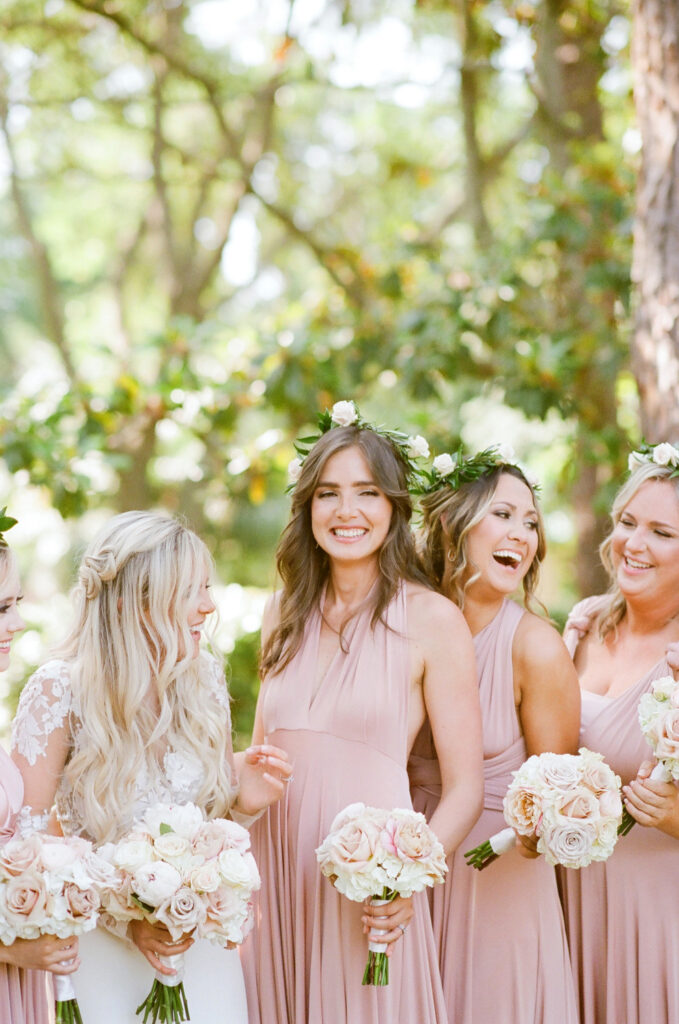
348 533
510 559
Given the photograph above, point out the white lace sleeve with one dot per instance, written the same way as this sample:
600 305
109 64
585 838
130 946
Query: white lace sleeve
216 683
44 706
41 739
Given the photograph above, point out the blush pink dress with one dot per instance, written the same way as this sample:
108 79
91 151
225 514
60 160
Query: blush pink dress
347 740
500 931
25 996
622 916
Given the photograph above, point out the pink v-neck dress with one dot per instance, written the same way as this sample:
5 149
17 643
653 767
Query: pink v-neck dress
500 931
25 996
347 738
622 916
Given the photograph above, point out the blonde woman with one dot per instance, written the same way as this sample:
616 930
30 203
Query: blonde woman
25 988
130 713
623 915
500 932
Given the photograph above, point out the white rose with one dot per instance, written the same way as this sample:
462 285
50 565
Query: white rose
131 855
665 688
206 877
344 414
665 454
171 846
634 460
236 869
505 453
154 883
560 771
444 464
418 447
569 843
184 819
294 470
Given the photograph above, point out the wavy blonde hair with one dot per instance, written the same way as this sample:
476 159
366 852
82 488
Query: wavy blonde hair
608 617
447 517
304 567
131 639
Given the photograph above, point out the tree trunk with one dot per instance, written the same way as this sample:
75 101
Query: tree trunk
655 269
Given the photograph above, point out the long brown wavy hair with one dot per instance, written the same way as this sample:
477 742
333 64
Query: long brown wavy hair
304 567
447 517
613 611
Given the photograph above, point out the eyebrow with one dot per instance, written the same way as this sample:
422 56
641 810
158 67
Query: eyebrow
532 511
653 522
358 483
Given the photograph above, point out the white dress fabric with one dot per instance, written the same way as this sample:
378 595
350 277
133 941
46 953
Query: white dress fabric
114 977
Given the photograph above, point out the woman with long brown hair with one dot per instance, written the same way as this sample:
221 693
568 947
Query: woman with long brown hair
356 650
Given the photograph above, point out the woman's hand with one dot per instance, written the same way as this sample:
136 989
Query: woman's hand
527 846
264 772
155 941
391 918
46 953
652 803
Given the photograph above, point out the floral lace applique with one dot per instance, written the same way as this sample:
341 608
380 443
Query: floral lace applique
44 706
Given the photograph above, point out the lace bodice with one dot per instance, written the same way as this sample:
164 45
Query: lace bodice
47 729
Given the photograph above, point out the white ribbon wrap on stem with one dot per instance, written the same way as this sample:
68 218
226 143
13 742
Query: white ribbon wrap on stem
63 988
503 841
177 963
379 947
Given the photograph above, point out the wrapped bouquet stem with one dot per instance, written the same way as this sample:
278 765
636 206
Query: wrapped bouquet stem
376 854
570 803
67 1010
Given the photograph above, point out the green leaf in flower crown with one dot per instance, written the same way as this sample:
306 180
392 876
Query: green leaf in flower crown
6 522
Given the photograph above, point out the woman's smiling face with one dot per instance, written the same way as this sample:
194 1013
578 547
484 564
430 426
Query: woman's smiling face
645 544
10 619
502 545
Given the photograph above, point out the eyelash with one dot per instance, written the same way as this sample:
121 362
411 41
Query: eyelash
502 514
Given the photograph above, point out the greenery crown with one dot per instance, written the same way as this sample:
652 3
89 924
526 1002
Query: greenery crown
346 414
663 454
6 523
457 469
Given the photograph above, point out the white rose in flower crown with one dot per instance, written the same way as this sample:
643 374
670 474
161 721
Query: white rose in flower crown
418 447
156 882
183 911
184 819
569 843
665 454
344 414
294 470
444 464
505 452
634 460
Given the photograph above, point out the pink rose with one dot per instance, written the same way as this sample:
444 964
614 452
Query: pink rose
352 848
569 843
182 912
25 900
409 839
581 804
668 736
81 902
19 855
610 804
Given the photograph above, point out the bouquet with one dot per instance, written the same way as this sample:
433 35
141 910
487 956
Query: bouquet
379 855
191 875
52 885
659 721
571 802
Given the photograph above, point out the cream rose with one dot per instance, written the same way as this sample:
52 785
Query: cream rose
418 447
522 809
444 464
181 912
133 854
665 454
19 855
569 844
25 901
294 470
344 414
81 902
206 878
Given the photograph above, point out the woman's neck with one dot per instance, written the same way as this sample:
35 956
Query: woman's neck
646 619
349 586
479 613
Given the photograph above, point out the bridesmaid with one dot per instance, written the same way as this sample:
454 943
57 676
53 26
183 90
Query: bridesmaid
500 932
25 990
622 916
355 650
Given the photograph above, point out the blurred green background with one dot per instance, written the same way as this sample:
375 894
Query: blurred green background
217 218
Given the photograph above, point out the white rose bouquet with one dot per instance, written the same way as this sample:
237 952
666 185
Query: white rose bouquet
659 721
52 885
377 854
570 802
190 875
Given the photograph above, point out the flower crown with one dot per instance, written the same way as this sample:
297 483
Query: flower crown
346 414
6 523
663 454
457 469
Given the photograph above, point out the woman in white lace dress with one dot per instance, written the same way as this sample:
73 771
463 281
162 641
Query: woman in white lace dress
132 713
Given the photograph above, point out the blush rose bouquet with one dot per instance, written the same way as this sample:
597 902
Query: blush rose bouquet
659 720
190 875
377 854
570 802
52 885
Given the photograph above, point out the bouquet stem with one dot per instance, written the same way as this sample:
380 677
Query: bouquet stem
166 1002
485 853
377 968
66 1007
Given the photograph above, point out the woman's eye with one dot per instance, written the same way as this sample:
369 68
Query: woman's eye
325 494
370 494
531 524
502 514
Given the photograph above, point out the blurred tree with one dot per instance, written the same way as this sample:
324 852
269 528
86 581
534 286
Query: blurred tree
655 347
